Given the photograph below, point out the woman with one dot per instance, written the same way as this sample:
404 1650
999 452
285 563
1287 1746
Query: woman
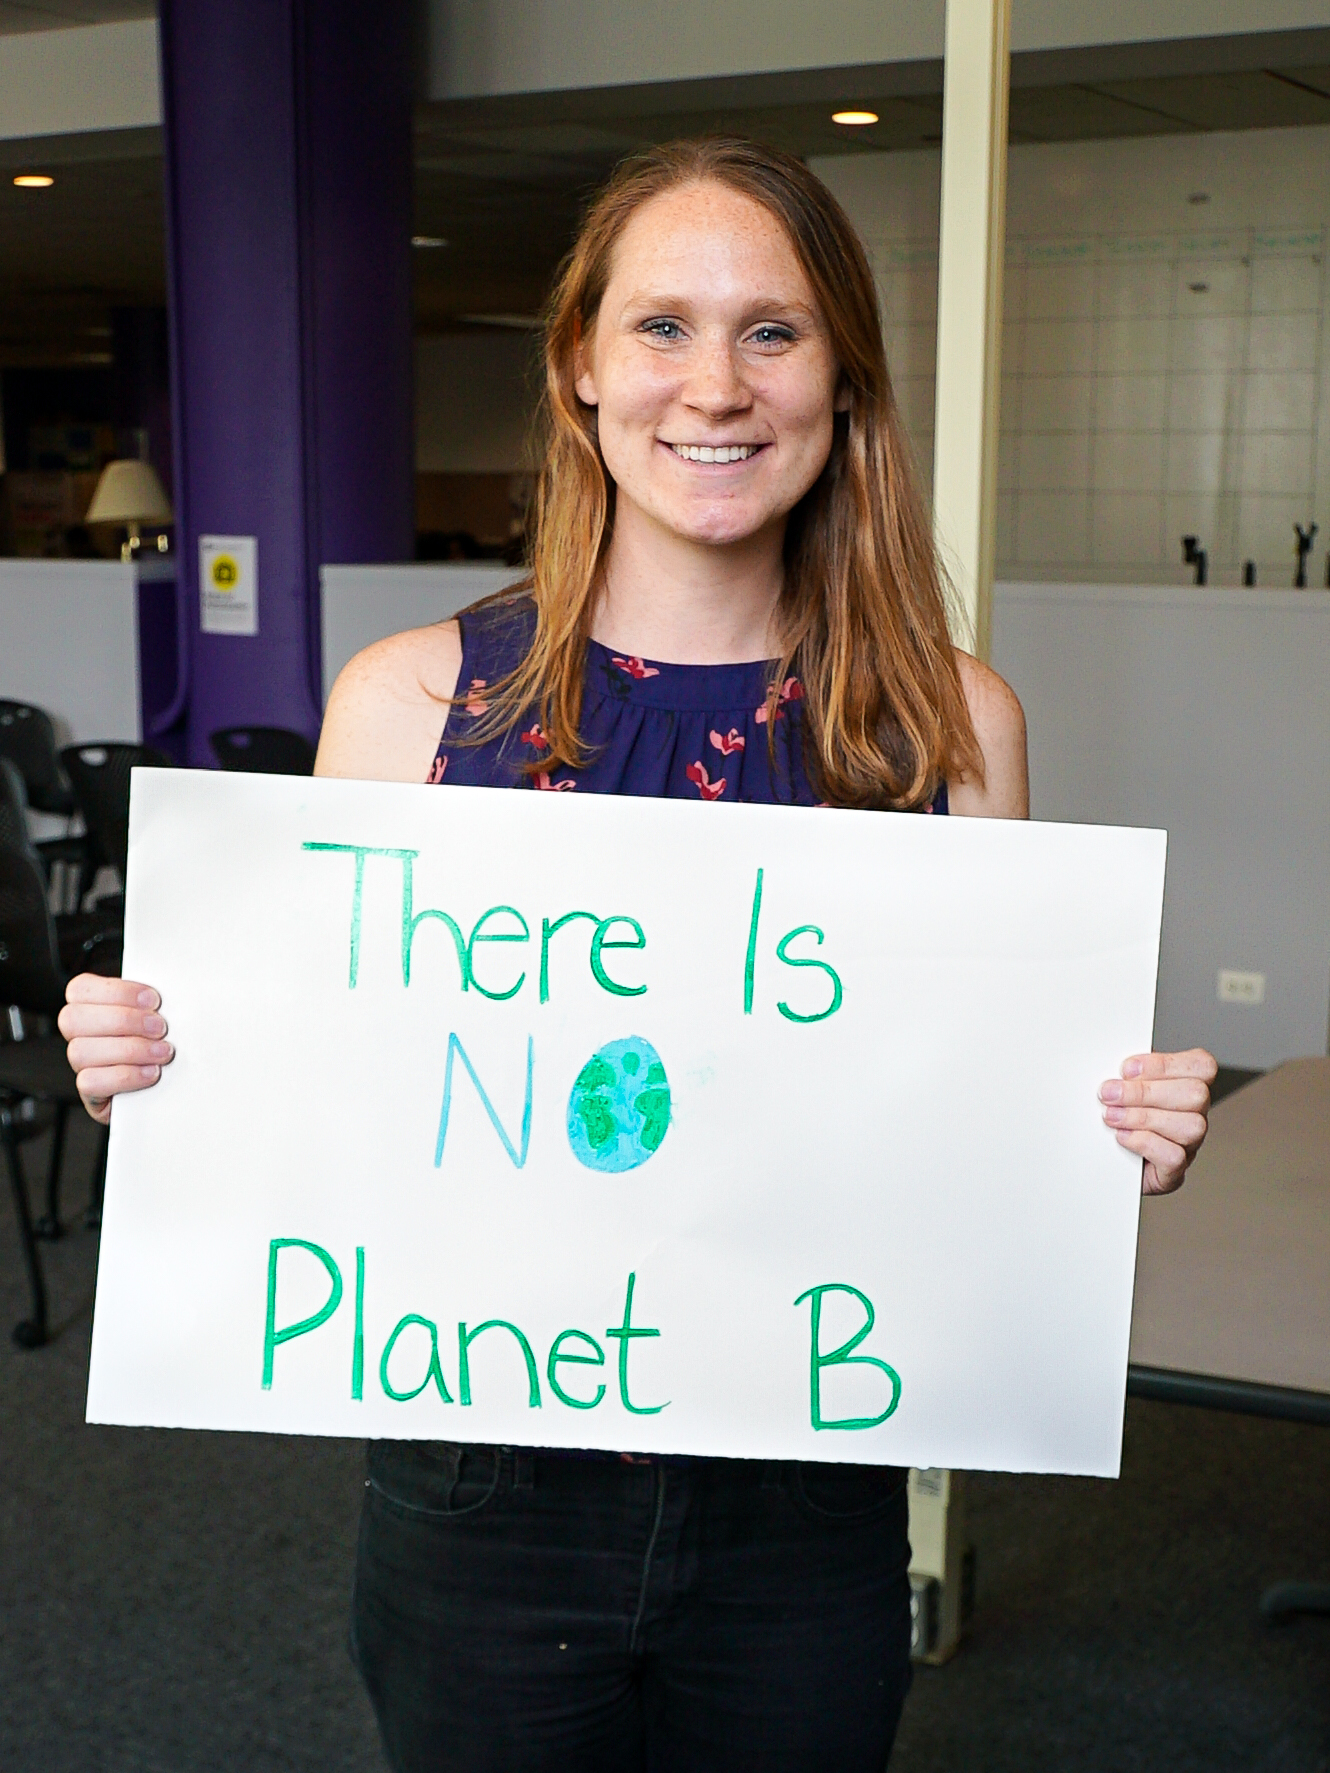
734 596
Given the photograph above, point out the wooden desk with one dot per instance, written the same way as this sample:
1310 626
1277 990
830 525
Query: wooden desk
1232 1301
1232 1308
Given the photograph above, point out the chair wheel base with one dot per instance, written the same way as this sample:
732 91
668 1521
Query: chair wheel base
1287 1599
29 1334
48 1228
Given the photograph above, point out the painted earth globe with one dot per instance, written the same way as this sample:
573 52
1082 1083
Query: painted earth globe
619 1109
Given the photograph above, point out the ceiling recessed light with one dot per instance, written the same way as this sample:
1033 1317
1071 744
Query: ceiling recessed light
428 240
855 119
34 181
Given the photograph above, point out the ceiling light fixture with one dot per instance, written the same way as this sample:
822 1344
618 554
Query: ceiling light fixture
854 119
428 240
34 181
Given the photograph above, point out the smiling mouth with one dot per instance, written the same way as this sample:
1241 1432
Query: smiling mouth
720 452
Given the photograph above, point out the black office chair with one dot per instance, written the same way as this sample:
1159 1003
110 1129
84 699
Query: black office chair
13 807
264 750
37 1087
73 929
1287 1599
27 739
100 777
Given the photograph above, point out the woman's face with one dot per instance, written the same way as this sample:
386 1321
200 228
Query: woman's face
710 367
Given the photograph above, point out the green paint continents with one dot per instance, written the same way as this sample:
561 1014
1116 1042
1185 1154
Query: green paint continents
619 1109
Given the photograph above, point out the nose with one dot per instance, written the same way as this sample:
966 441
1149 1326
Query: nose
716 385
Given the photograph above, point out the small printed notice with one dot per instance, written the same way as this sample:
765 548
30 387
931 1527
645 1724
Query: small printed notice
229 584
568 1120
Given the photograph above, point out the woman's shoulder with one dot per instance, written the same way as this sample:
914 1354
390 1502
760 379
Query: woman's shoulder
389 704
999 726
994 706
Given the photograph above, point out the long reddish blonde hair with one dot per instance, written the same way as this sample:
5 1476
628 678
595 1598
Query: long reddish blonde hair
862 612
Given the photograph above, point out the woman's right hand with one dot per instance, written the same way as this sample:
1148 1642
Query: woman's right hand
115 1033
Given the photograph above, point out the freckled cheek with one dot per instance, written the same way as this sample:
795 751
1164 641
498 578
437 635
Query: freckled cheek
806 430
809 403
802 407
627 418
634 397
627 437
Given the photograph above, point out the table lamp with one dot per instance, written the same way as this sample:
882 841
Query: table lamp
129 492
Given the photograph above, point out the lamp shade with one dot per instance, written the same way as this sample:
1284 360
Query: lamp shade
129 492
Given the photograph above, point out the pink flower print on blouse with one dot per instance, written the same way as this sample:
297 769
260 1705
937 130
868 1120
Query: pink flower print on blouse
436 770
636 669
790 691
697 775
729 742
543 781
476 705
536 737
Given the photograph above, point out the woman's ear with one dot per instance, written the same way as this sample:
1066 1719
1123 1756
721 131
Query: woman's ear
583 379
842 400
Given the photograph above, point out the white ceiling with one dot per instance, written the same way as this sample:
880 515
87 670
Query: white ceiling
502 180
53 15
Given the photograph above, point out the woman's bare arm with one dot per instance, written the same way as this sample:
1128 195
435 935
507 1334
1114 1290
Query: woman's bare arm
388 707
999 726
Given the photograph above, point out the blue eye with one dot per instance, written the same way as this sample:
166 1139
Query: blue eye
663 329
772 335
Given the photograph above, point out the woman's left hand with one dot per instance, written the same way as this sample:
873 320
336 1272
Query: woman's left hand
1158 1109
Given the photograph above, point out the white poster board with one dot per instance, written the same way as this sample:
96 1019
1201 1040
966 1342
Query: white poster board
568 1120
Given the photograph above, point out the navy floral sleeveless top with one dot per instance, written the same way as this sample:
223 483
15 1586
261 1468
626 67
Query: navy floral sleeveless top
672 732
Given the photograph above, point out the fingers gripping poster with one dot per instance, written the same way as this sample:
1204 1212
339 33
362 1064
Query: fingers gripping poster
566 1120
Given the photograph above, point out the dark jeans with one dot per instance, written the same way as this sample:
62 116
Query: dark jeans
517 1611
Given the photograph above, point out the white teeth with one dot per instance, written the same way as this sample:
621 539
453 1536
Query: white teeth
705 452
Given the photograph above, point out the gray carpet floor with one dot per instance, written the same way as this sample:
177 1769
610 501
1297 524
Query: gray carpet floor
173 1602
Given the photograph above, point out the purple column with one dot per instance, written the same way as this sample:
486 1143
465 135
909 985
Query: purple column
288 152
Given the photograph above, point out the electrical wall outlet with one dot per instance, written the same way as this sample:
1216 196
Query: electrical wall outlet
1237 987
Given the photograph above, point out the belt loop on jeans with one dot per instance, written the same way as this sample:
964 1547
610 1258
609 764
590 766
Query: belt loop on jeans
524 1468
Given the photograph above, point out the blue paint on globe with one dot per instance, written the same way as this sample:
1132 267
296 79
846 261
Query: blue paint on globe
619 1109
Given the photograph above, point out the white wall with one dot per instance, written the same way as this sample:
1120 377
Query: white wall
474 397
1206 713
362 604
69 644
1164 361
